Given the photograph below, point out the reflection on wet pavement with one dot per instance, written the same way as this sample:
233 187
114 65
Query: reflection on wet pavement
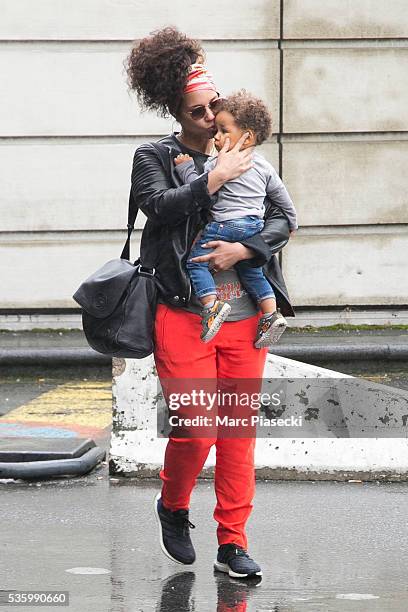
232 594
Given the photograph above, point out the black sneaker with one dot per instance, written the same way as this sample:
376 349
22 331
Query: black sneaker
235 561
212 318
174 530
270 328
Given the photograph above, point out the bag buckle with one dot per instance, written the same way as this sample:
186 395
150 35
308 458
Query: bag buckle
147 271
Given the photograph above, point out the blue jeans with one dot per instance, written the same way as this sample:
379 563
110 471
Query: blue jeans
233 230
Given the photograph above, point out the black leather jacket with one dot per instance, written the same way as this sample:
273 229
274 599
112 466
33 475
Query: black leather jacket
176 212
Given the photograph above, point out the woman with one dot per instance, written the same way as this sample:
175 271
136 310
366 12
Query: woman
167 71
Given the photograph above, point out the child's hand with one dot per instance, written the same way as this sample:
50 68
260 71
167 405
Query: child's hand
292 233
181 158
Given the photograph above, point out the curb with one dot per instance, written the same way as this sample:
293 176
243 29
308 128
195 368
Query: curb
307 353
344 352
52 357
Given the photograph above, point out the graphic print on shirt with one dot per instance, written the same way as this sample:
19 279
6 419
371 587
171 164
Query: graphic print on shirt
230 291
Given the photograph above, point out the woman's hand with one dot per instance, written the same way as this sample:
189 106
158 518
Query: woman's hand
230 164
224 254
234 162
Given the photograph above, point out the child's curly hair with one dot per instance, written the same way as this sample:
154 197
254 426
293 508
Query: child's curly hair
249 112
157 69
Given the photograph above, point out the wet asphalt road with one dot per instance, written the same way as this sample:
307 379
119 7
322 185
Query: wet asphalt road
322 545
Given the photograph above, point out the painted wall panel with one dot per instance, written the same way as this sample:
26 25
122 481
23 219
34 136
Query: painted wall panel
334 269
71 185
345 269
133 19
80 89
56 265
68 129
345 19
345 90
347 182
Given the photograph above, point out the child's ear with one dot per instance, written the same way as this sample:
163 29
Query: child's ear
251 139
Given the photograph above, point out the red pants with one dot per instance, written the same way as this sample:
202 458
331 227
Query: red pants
180 353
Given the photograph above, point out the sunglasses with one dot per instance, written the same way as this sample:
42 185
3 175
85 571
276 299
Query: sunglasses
199 111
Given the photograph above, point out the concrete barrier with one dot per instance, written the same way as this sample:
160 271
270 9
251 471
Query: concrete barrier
136 451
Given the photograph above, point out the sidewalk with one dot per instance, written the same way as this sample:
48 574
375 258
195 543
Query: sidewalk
314 347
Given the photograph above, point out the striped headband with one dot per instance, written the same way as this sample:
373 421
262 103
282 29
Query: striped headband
198 78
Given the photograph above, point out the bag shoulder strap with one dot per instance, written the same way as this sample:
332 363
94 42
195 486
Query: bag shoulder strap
132 214
133 209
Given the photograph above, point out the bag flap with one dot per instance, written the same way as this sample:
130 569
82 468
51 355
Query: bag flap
100 294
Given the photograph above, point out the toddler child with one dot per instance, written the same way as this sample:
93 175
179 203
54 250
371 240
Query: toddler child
238 214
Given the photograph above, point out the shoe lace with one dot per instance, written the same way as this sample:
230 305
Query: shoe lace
184 523
237 551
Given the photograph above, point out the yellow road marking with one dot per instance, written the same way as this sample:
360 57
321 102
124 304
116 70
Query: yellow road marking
86 403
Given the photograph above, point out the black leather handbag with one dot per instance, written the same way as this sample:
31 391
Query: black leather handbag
118 303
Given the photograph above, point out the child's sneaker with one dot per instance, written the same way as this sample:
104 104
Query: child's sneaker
212 319
270 328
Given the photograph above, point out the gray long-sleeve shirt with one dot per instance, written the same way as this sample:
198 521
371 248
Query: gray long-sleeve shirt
245 194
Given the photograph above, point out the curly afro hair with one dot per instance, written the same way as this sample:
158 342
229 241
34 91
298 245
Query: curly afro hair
157 69
249 112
